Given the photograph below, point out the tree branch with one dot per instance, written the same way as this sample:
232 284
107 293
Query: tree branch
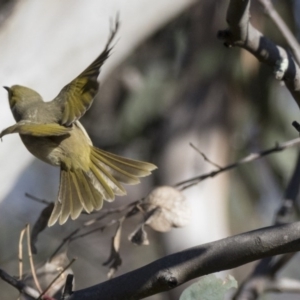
249 158
281 25
19 285
173 270
242 34
263 275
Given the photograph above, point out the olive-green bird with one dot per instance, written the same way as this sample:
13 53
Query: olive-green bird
51 131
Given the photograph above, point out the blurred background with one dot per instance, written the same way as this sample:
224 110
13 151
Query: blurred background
168 83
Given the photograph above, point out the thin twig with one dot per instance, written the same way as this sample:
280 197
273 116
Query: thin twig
19 285
88 223
110 211
64 241
281 262
100 228
37 199
21 253
54 280
249 158
205 157
37 284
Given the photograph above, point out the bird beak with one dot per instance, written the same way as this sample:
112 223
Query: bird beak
7 88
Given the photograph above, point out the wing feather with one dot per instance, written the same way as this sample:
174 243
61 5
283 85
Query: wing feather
36 129
77 96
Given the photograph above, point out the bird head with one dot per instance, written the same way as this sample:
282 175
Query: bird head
21 95
21 99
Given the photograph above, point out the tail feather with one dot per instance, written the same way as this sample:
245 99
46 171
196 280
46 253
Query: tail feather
123 169
86 193
73 194
97 198
134 167
86 189
62 194
103 187
66 200
55 213
116 186
118 173
79 192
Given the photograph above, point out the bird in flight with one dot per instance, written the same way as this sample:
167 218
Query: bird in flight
51 131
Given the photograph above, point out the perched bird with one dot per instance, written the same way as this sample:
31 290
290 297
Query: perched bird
51 132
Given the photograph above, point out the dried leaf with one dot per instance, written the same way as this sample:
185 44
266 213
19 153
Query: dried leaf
47 273
167 207
40 225
114 260
68 289
139 236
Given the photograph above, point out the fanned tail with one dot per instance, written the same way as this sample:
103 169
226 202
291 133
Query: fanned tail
119 168
86 190
76 192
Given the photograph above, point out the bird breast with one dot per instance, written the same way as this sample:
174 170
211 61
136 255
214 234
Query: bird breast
70 151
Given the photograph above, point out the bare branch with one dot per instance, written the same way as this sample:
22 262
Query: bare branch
205 157
242 34
37 199
109 211
281 25
19 285
173 270
263 275
64 241
280 263
74 235
251 157
100 228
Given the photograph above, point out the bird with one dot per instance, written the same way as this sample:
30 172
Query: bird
51 131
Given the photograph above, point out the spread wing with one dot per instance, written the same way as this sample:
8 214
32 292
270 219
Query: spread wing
77 96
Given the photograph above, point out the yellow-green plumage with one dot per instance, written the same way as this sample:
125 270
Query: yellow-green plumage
51 131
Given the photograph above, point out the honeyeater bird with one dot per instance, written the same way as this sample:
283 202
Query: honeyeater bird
51 132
